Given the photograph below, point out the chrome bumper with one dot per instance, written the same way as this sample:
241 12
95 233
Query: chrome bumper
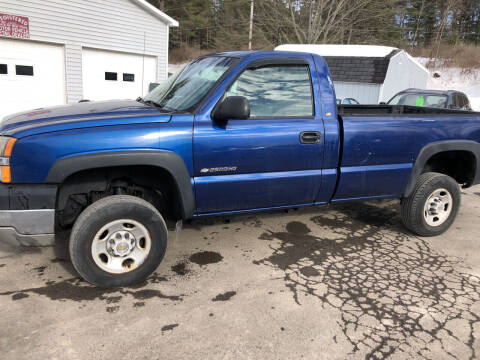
28 227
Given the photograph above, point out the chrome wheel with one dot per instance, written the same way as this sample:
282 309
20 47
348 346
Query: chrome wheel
121 246
438 207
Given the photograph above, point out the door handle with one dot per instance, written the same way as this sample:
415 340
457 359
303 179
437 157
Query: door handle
310 137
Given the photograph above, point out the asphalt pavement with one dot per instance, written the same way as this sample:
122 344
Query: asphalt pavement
336 282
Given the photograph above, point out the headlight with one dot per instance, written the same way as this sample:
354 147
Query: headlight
6 148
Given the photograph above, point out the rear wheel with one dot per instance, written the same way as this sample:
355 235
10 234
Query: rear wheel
118 241
432 207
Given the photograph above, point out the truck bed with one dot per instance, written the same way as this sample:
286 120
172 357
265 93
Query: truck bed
380 144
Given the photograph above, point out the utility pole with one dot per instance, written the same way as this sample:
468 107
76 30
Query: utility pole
250 33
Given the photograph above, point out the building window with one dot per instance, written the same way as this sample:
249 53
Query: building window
110 76
3 69
24 70
128 77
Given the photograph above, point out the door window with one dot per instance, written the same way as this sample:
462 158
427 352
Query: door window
276 91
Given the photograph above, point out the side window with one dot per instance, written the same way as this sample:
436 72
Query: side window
465 102
461 103
456 102
276 91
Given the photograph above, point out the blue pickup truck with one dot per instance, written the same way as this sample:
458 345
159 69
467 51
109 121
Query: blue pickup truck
232 132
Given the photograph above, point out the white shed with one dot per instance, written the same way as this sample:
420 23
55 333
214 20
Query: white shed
54 52
368 73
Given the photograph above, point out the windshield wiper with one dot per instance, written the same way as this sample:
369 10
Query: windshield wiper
161 108
152 103
148 102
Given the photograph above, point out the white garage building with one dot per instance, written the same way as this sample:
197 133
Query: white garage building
55 52
368 73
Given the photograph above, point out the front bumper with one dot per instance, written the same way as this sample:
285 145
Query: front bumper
27 214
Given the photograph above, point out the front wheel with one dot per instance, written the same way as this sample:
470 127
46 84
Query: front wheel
432 207
118 241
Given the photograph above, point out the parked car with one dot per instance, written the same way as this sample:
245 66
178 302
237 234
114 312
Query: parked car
347 101
231 133
449 99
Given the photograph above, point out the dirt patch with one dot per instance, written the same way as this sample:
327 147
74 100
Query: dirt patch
147 294
225 296
75 290
113 299
40 270
112 309
169 327
180 268
205 258
19 296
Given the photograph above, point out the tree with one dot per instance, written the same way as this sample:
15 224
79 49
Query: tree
323 21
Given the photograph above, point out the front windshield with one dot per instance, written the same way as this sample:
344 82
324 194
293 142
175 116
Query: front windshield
436 101
186 89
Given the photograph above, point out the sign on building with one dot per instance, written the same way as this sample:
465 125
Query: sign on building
14 26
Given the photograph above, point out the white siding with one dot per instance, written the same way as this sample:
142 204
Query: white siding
403 73
119 25
362 92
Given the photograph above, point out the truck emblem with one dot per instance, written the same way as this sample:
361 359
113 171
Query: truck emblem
219 169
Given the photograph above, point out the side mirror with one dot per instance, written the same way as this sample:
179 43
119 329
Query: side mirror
152 86
383 103
233 107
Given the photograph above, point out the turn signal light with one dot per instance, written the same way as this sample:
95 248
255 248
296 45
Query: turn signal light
7 144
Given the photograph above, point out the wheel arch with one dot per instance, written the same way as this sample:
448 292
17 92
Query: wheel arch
165 160
436 148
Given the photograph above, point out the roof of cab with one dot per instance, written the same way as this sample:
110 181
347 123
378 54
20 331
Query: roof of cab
262 54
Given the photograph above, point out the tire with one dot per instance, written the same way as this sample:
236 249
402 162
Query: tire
443 196
130 246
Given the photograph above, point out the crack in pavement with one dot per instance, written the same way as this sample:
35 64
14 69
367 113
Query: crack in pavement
395 294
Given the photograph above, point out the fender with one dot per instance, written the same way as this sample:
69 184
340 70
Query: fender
169 161
441 146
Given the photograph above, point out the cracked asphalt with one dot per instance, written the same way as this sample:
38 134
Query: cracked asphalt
337 282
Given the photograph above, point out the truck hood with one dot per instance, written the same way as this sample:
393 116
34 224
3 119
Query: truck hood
86 114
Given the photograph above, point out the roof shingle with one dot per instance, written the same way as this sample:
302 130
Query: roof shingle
359 69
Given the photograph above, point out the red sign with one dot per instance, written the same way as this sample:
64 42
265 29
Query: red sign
14 26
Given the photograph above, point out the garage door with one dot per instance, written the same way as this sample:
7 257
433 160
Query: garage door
114 75
32 75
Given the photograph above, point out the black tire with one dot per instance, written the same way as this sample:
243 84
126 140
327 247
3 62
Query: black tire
413 207
102 212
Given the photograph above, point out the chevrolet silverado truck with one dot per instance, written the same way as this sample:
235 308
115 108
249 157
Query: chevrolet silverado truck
230 133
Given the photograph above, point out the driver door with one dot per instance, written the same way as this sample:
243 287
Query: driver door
272 159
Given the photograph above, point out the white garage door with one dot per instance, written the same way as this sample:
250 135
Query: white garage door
114 75
32 75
